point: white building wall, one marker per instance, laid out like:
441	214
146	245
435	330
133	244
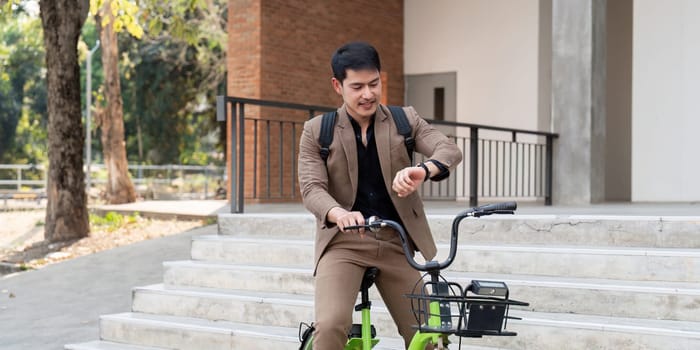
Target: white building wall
665	108
493	47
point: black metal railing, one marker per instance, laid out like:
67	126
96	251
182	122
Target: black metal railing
280	180
506	164
498	162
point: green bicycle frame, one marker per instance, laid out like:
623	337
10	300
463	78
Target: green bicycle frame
367	330
366	342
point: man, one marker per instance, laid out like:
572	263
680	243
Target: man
367	172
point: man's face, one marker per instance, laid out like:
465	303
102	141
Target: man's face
361	91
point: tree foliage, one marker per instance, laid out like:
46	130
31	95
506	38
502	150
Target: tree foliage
176	69
123	14
22	89
169	79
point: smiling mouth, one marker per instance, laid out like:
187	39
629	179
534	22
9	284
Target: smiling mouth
366	104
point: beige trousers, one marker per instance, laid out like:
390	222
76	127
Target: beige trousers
338	278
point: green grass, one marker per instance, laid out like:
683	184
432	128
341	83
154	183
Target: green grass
111	221
210	220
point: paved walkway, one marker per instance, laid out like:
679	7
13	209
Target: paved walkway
61	303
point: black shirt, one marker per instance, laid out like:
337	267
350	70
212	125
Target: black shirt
372	195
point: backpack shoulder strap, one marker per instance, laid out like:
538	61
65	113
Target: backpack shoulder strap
326	137
404	128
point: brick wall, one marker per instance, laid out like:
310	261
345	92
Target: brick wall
244	48
280	50
299	37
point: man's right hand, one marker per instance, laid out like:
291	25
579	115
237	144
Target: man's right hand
344	218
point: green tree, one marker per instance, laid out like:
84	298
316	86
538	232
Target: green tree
176	71
169	80
9	114
22	85
111	16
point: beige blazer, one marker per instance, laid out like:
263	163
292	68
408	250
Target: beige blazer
324	186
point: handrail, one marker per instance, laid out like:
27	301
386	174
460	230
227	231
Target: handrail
496	168
165	174
265	103
494	128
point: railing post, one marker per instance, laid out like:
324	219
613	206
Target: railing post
241	157
206	182
46	178
548	170
234	160
181	175
19	179
473	166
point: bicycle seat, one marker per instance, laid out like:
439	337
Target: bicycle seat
369	277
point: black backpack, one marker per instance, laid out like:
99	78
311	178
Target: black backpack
404	128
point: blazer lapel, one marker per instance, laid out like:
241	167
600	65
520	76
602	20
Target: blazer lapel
382	133
347	139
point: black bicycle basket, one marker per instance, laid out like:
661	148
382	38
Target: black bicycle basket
445	307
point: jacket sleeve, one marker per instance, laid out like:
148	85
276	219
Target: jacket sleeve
313	174
432	143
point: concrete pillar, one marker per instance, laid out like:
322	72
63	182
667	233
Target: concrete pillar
578	100
618	112
544	67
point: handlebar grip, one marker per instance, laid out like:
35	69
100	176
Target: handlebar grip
505	206
372	223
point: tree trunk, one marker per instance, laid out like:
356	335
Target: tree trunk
119	186
66	211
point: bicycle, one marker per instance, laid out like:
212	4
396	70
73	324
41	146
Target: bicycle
441	308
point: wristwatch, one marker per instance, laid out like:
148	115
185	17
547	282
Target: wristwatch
427	171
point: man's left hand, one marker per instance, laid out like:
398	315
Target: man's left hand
407	180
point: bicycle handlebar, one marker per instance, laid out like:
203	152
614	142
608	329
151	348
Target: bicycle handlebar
496	208
374	224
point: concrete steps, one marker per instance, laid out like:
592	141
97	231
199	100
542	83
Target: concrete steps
546	331
168	332
285	310
191	333
619	231
643	299
107	345
592	282
625	263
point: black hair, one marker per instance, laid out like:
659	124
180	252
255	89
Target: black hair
355	55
